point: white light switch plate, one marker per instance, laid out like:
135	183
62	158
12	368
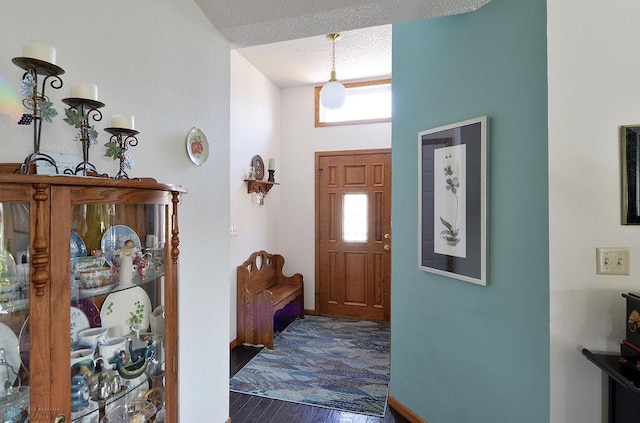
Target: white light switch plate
612	260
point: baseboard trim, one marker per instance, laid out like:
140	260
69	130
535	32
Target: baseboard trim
404	411
232	345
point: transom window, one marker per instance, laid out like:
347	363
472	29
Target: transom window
367	102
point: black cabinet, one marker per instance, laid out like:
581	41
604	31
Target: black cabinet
624	387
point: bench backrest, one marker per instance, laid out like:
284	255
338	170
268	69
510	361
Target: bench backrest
259	272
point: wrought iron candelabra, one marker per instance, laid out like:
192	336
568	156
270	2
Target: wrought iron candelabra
123	138
88	109
35	103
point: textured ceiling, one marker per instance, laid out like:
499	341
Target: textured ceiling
360	54
285	39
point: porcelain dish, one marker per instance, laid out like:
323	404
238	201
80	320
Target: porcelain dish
122	309
197	146
113	240
77	246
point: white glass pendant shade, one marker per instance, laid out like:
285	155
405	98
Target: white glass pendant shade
333	95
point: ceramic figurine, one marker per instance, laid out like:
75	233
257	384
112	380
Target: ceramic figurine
135	369
126	263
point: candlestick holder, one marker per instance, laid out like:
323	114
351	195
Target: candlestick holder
121	140
39	104
86	110
271	177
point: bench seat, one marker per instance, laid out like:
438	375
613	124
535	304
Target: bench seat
262	291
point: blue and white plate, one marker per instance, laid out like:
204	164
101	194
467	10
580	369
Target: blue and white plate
113	240
78	249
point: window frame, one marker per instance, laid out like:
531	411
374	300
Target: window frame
348	85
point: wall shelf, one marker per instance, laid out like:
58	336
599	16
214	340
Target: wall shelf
258	186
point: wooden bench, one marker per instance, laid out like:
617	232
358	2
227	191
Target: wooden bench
262	291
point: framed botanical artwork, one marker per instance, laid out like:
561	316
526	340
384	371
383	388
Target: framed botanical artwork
630	160
452	200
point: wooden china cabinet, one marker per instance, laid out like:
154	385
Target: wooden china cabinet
51	226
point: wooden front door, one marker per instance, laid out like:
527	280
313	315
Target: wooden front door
353	234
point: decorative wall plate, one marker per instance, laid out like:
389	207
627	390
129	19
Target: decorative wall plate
197	146
258	166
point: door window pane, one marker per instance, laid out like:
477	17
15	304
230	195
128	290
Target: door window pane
354	218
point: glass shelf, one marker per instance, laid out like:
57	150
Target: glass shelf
151	277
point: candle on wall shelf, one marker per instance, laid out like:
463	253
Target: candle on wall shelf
40	51
123	121
84	90
272	170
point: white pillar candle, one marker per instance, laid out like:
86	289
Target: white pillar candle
151	241
122	121
84	90
272	164
39	50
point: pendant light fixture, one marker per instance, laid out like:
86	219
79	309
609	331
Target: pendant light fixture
333	94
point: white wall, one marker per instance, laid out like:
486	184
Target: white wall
255	129
163	62
593	89
299	142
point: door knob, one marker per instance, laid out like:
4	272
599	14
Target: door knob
387	247
60	418
387	236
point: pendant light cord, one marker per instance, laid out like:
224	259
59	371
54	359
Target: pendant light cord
333	54
333	37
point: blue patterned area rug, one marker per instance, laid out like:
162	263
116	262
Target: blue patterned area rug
325	362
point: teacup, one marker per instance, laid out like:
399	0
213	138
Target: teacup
89	338
108	348
84	356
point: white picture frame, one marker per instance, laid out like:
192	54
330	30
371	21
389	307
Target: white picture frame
452	200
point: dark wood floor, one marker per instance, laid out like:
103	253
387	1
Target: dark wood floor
247	408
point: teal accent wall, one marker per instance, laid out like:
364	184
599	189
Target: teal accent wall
463	352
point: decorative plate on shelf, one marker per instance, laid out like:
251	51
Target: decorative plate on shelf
197	146
258	166
79	321
77	247
113	240
24	344
91	311
9	342
122	309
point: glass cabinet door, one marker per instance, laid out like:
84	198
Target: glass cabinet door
14	312
116	276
